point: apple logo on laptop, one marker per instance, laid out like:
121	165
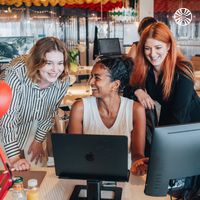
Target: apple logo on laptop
89	156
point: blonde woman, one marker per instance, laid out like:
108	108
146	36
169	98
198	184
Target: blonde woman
39	81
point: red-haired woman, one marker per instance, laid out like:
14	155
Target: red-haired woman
164	75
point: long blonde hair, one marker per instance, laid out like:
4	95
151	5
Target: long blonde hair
174	59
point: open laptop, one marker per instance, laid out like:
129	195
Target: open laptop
109	47
97	157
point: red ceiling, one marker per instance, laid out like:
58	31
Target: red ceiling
96	6
173	5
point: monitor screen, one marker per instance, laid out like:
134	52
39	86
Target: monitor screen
109	47
174	154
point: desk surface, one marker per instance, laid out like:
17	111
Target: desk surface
60	189
78	90
82	70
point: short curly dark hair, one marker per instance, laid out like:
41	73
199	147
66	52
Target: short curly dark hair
118	68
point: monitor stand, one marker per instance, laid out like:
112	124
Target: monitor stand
94	189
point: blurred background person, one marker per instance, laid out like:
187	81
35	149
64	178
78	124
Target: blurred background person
146	21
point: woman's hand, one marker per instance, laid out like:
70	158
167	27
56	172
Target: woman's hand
139	167
19	164
37	151
144	99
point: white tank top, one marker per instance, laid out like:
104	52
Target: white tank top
93	124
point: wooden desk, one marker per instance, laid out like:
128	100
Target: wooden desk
82	70
82	73
78	90
53	188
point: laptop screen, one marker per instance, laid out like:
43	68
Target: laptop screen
97	157
109	46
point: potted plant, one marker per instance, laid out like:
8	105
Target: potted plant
73	57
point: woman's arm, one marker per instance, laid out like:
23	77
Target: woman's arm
138	135
75	125
9	123
44	125
144	99
132	51
139	131
178	108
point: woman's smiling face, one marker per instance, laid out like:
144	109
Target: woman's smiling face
52	69
100	81
155	52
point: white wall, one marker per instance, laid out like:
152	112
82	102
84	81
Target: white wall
146	8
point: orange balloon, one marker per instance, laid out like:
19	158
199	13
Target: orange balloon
5	97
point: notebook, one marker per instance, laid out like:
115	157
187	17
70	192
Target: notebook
96	157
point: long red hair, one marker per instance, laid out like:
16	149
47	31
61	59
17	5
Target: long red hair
174	59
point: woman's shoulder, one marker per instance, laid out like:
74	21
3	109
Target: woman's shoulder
63	84
138	110
78	105
186	64
89	99
185	70
135	43
15	73
18	59
17	65
90	103
181	77
126	99
138	106
132	50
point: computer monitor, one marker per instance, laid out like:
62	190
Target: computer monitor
174	154
92	158
109	47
